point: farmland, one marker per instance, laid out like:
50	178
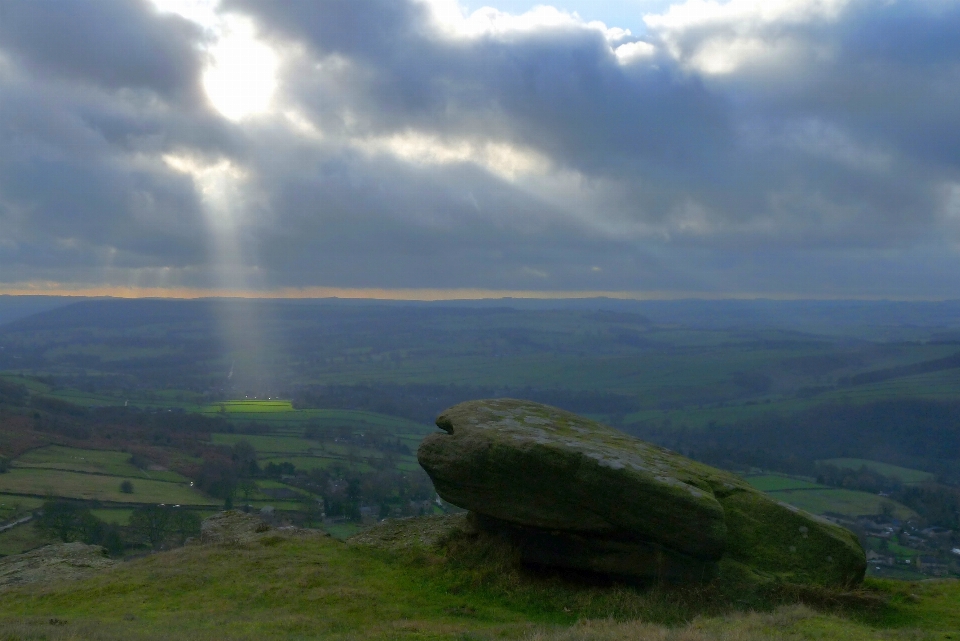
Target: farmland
95	487
111	463
905	475
821	499
324	417
350	441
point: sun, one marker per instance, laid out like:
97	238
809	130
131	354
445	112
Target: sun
241	78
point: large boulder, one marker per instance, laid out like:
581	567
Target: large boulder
53	563
575	493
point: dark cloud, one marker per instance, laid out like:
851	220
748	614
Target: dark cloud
810	151
794	151
113	43
92	95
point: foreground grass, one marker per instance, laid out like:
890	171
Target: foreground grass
310	588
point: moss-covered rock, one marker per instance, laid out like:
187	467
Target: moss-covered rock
541	467
576	493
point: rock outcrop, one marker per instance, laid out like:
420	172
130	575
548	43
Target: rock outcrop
52	563
571	492
233	527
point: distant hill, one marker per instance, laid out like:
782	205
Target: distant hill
16	307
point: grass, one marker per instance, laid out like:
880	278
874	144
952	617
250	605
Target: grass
307	454
838	501
16	506
249	407
93	461
820	499
308	588
76	485
269	444
318	462
20	539
778	482
117	517
905	474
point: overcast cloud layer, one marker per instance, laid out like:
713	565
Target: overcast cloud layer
806	147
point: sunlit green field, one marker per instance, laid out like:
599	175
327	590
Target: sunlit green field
249	407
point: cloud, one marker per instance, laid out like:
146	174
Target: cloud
739	146
112	43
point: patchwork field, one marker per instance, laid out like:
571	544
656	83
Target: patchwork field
837	501
79	485
820	499
57	457
21	539
314	439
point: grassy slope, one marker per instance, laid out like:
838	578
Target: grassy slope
306	588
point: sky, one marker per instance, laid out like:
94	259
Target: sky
444	149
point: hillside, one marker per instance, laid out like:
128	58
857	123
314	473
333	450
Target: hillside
289	586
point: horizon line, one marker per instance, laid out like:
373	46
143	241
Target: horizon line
421	294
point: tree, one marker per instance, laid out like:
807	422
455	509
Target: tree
184	524
151	525
126	487
312	509
62	520
246	458
247	488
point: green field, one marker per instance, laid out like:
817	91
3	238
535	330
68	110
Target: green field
103	462
21	539
269	444
287	443
12	507
117	517
78	485
777	482
307	454
821	499
838	501
905	474
249	407
319	463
